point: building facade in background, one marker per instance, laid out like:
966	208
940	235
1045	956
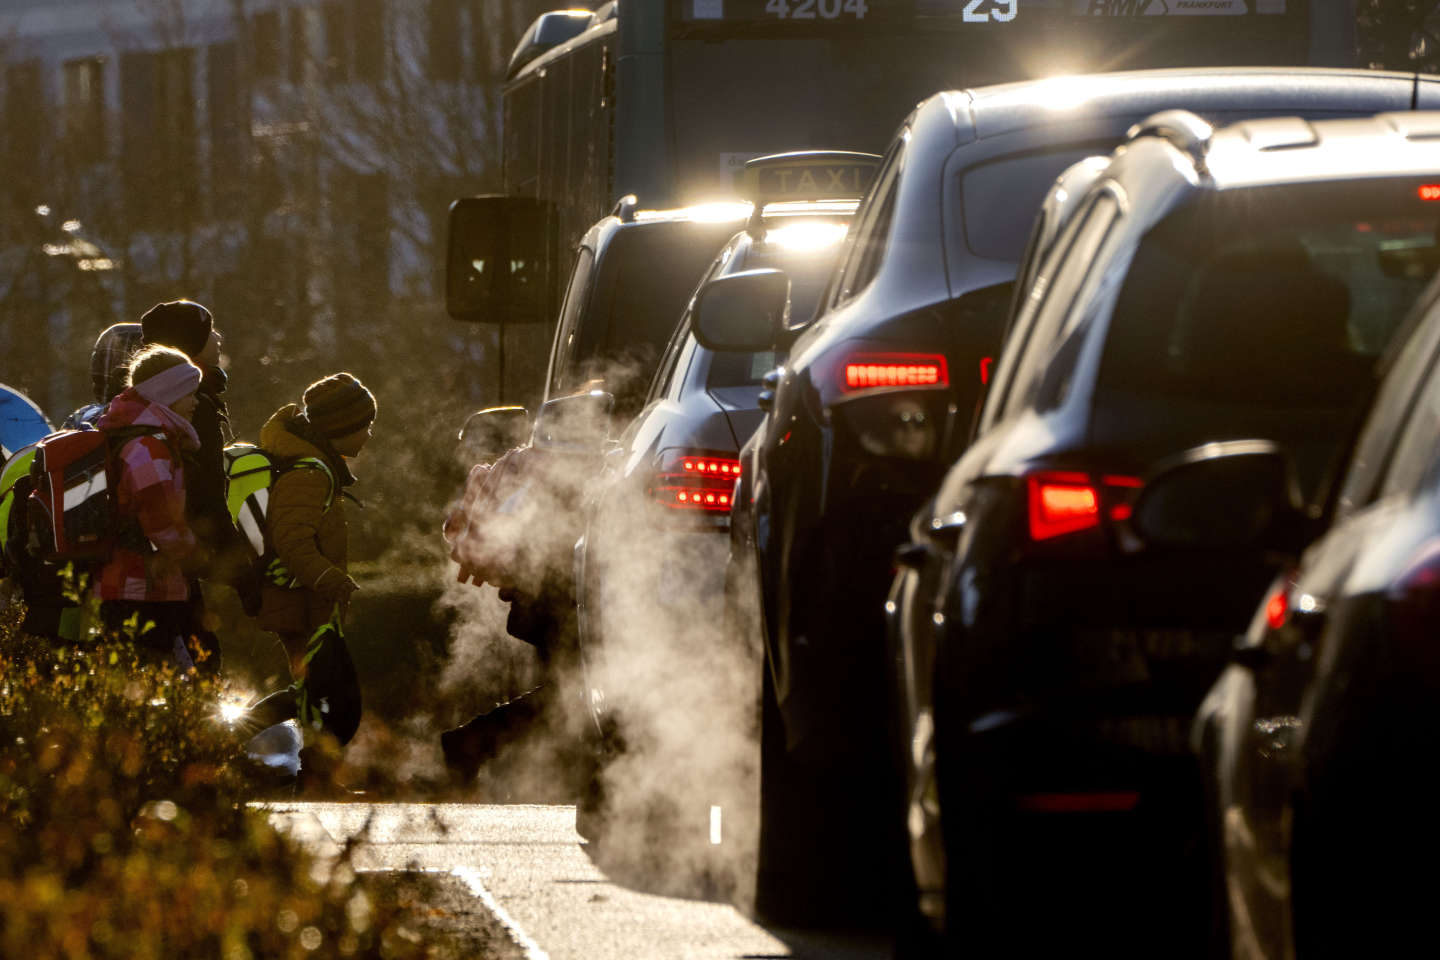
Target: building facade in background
288	162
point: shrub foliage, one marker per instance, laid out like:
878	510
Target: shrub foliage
124	830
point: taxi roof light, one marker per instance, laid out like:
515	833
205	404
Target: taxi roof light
809	175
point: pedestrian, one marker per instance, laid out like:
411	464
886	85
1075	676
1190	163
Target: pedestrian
109	368
144	586
50	590
189	327
307	594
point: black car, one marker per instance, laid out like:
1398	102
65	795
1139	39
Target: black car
879	395
1317	741
1066	594
634	272
661	676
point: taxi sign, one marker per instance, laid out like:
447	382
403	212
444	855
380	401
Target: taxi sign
809	175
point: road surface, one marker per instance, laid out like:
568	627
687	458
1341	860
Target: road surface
529	868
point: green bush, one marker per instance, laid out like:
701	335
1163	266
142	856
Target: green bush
124	830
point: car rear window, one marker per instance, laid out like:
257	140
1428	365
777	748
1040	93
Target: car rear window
1262	311
651	271
998	199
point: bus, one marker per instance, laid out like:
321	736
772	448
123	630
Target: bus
667	99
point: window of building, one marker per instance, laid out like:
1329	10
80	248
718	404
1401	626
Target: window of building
157	96
444	40
354	41
24	141
229	130
84	82
298	43
335	17
266	48
368	37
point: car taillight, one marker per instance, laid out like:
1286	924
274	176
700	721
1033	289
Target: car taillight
1277	607
695	482
868	371
1062	502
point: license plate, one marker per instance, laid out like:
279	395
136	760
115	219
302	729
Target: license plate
1130	656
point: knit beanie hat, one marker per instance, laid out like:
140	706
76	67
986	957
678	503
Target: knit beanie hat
182	324
339	405
110	359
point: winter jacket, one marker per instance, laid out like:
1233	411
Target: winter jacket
212	424
150	495
309	539
208	513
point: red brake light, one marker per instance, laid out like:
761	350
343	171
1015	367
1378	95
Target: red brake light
696	481
868	371
985	363
1277	607
1429	191
1062	503
710	466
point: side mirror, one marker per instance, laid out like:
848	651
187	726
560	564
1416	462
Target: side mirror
488	433
496	257
580	423
745	312
1233	494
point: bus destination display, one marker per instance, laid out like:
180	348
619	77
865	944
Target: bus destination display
960	11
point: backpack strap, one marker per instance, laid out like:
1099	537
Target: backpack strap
275	572
314	463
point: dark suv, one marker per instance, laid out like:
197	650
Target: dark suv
879	395
1317	741
1071	592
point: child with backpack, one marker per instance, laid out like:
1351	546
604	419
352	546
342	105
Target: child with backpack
308	588
143	585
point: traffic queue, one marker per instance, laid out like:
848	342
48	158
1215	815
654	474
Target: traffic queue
1088	539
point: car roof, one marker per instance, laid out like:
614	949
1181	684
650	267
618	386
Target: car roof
1003	108
1293	150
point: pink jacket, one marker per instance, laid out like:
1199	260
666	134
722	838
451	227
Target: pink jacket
151	490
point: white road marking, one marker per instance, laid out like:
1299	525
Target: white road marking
472	879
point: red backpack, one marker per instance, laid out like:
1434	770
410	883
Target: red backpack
73	505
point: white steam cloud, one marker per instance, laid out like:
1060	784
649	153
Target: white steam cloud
680	692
